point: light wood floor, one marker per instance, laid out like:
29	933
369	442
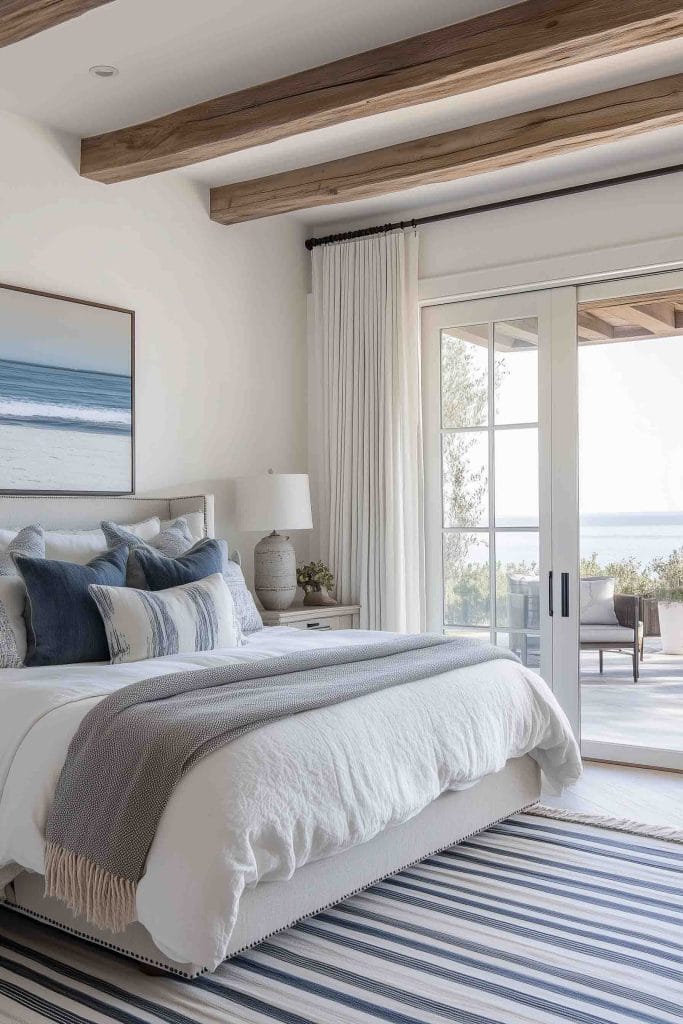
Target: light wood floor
641	794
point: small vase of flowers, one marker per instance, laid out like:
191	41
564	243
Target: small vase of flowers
316	581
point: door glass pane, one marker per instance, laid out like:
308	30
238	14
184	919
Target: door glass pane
464	472
466	584
517	580
515	344
527	646
464	376
631	520
482	436
516	454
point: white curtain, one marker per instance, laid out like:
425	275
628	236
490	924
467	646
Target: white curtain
368	431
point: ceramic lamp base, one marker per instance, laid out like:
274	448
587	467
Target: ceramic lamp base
275	572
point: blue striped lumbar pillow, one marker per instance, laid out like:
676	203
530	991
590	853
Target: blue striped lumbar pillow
143	624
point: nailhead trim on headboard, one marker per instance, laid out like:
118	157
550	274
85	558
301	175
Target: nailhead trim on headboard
103	507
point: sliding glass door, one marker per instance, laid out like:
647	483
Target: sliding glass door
487	462
630	498
554	498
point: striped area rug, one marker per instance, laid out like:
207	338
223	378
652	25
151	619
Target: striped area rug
534	920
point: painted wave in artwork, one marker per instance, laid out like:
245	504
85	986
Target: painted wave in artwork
51	396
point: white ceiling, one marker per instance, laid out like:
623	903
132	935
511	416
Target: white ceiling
172	53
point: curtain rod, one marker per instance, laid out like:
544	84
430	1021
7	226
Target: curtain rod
503	204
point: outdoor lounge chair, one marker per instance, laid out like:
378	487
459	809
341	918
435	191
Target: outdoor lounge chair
625	635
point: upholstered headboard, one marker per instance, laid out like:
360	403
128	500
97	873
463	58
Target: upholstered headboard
75	511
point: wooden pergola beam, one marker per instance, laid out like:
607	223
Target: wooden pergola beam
504	45
551	131
592	328
654	316
20	19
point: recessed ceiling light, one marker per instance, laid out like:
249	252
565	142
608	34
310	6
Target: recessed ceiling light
103	71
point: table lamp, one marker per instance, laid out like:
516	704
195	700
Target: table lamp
274	501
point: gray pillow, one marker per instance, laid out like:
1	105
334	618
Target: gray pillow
29	541
247	612
12	622
174	541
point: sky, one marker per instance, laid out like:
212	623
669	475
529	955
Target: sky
631	426
54	332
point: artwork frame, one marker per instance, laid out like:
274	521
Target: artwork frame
127	344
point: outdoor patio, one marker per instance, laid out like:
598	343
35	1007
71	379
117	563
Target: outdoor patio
647	713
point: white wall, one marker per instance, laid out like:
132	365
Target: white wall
220	312
591	234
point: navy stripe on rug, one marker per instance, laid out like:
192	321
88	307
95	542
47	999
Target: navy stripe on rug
533	922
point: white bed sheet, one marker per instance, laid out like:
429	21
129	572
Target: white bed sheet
291	792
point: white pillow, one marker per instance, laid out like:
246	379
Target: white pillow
12	624
597	601
144	624
195	524
81	546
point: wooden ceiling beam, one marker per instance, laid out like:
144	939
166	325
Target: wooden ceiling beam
20	19
551	131
504	45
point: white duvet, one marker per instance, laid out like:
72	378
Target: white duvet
291	792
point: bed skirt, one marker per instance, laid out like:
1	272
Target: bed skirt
272	906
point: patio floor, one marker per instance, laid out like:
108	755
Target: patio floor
648	713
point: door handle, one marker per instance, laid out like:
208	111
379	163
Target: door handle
550	592
564	590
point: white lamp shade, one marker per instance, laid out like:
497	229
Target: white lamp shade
274	501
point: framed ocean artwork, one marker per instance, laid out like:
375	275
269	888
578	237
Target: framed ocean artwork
67	372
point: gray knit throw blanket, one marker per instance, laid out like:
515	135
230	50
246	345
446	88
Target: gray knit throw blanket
132	749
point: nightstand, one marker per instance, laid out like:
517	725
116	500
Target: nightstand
337	616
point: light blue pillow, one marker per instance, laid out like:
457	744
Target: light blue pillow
246	609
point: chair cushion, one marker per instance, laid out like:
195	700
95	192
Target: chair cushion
606	634
597	601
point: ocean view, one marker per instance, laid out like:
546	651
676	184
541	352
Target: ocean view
64	429
49	396
644	536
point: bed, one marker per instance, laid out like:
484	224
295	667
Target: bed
290	818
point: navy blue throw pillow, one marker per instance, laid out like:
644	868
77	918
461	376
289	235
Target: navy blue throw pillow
63	625
162	572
